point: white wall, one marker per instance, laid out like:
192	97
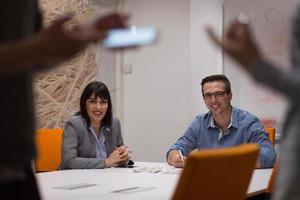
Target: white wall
162	94
205	59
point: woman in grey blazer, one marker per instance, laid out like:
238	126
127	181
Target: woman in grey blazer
92	138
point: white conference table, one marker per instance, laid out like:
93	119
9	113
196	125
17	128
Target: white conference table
105	183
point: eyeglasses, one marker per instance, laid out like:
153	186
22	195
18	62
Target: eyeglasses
217	95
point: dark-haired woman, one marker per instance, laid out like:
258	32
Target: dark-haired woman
92	138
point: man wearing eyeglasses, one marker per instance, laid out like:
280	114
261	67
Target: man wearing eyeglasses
223	126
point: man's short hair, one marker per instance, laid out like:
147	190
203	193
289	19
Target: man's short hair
217	77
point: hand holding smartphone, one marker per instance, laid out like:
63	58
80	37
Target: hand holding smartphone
130	37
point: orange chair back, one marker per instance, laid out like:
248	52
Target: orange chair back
273	178
217	174
271	133
48	143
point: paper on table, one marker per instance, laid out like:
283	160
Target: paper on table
131	190
74	186
172	170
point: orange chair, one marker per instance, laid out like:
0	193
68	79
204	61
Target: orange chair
217	174
272	179
48	143
271	133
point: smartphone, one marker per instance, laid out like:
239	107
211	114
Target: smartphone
130	37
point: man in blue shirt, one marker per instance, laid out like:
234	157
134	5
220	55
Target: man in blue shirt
223	126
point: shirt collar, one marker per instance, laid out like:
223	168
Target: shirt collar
86	124
233	123
102	129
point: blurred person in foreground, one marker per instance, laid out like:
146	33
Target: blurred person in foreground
25	48
239	44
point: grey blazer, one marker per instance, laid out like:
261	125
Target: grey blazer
79	144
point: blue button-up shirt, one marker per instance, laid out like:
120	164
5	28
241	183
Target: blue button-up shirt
244	128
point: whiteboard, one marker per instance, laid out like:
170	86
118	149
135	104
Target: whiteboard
270	21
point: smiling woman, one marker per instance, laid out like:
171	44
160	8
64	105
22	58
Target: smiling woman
92	138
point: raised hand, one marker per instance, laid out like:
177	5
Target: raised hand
237	43
55	44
